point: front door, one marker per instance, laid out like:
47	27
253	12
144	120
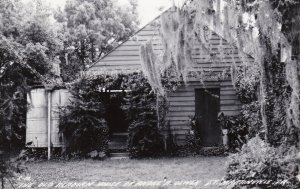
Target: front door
207	106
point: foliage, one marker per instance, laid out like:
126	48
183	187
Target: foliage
251	116
193	140
237	130
256	28
89	109
84	129
247	83
29	43
176	56
9	170
150	68
259	161
13	87
91	29
169	79
82	121
145	137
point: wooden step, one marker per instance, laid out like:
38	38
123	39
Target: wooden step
124	140
118	141
117	145
119	155
120	134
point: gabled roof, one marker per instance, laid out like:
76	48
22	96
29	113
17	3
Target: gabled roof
126	56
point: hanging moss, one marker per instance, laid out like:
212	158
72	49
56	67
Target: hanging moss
255	29
150	67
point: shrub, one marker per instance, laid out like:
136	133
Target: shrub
247	83
84	129
82	121
193	140
252	117
259	161
9	170
237	130
145	138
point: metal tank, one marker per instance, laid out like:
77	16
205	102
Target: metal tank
43	116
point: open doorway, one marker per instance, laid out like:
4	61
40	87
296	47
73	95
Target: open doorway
116	121
114	115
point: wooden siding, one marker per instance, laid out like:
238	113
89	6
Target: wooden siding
182	105
126	58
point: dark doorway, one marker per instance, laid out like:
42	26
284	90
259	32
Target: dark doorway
207	106
114	115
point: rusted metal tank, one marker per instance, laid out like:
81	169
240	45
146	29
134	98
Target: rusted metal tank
38	117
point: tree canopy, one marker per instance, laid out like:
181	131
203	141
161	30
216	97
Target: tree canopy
40	45
92	28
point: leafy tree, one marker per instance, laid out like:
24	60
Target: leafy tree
279	78
263	29
29	44
92	28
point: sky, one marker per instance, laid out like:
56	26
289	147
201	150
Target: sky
147	9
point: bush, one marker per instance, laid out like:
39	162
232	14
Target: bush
259	161
247	83
82	121
193	140
84	130
237	130
252	117
9	170
145	138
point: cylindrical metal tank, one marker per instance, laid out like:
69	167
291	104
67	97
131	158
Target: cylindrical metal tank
37	116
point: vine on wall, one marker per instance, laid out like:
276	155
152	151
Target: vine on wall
84	120
257	28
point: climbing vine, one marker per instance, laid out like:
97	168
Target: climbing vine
258	29
267	80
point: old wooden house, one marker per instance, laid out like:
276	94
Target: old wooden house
201	99
204	100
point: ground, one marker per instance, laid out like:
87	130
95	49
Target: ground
203	169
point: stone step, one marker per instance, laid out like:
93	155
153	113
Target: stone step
119	155
115	146
118	142
118	158
120	137
123	140
120	134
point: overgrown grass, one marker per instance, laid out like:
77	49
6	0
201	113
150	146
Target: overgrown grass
174	169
